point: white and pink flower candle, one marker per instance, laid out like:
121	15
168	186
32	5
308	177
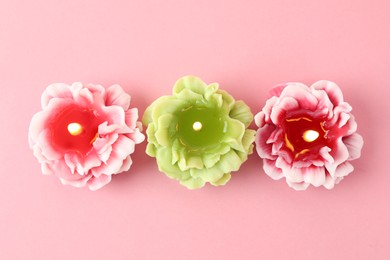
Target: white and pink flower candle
307	135
85	133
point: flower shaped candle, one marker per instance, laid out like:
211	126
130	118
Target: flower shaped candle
84	133
199	134
307	135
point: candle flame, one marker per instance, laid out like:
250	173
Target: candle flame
75	129
197	126
310	136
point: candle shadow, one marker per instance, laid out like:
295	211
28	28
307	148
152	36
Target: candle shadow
367	118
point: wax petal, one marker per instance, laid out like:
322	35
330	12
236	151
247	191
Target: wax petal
341	108
191	83
271	170
75	89
354	145
113	165
343	119
99	92
150	133
117	97
351	126
260	119
104	142
114	115
229	102
263	149
340	154
277	90
325	154
297	185
190	96
343	169
163	105
219	149
244	155
76	183
207	174
175	155
302	94
210	160
305	163
294	174
248	139
82	164
105	155
331	88
193	183
217	100
61	170
324	106
236	131
37	125
279	110
281	163
230	162
275	135
46	168
105	129
151	150
276	148
266	112
57	90
241	112
91	162
126	164
314	175
163	158
131	118
194	162
163	133
329	181
188	162
223	180
38	154
56	106
96	183
182	163
137	136
74	165
123	146
83	97
210	90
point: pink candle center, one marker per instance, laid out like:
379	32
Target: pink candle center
75	129
305	136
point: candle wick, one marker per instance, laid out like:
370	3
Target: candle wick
310	136
75	129
197	126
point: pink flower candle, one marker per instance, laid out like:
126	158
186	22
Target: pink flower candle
307	135
85	134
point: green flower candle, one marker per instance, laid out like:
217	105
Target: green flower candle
199	134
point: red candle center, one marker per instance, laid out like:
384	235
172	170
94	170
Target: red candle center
304	135
75	129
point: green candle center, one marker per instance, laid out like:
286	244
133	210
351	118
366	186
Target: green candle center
200	127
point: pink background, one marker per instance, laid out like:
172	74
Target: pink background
246	46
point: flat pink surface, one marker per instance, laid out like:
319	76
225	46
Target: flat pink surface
246	46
